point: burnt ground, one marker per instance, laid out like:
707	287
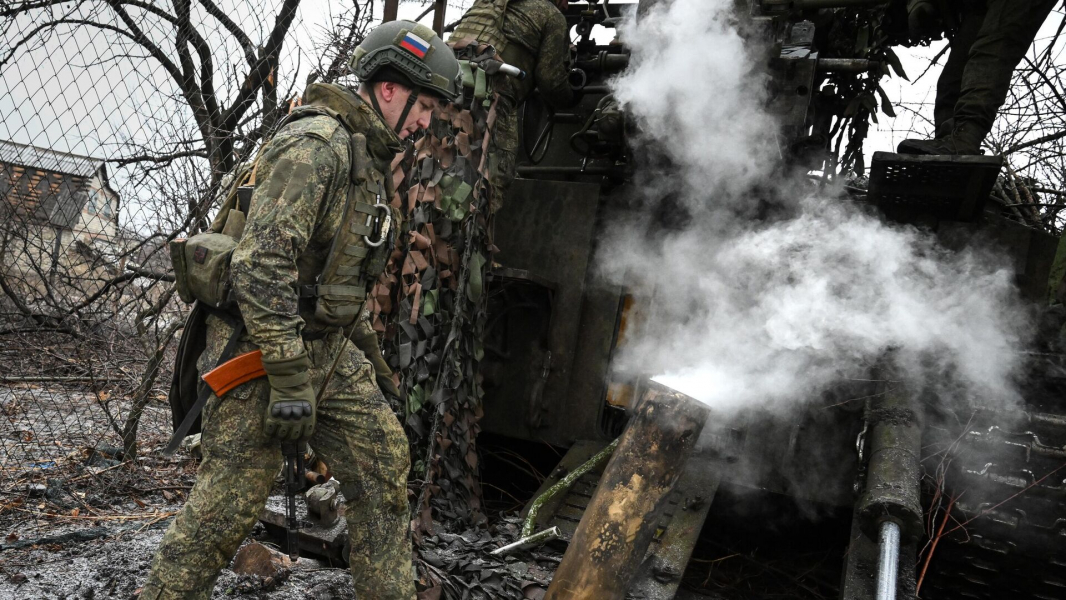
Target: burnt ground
78	521
116	567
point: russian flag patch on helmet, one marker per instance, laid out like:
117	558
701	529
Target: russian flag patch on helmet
415	45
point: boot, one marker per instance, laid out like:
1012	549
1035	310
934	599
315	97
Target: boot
964	139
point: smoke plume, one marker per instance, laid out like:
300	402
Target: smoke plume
748	312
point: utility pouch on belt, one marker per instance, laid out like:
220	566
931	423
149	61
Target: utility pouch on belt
204	258
201	263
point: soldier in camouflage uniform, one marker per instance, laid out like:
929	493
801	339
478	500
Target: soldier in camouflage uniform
991	40
333	158
533	36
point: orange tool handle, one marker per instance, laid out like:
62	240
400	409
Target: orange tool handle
234	372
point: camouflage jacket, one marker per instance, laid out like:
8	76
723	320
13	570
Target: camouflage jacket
539	44
302	181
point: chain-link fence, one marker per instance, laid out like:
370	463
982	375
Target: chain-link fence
120	119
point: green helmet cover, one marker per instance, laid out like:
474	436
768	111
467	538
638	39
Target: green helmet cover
416	51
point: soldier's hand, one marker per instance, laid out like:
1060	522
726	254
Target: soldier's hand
290	412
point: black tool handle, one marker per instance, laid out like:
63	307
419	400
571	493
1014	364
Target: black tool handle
293	471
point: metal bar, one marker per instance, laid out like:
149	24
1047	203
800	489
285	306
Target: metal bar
529	541
391	7
888	563
847	65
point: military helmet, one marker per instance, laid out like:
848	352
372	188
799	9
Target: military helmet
413	50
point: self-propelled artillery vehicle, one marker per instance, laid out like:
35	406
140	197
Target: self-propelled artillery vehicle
861	477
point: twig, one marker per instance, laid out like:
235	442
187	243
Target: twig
936	540
94	474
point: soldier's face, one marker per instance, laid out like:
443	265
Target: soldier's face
393	98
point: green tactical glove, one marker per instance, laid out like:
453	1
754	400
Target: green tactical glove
366	339
290	414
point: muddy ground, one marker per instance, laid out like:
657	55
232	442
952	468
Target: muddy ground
79	520
117	567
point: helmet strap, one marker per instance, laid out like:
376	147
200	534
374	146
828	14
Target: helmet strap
415	91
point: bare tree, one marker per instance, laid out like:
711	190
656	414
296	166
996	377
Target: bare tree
185	43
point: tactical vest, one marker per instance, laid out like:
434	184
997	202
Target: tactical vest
360	248
358	252
484	22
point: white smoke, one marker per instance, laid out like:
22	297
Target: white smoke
763	313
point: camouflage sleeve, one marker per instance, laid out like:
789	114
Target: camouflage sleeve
293	178
553	62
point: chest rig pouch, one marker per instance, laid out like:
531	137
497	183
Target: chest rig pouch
361	246
358	252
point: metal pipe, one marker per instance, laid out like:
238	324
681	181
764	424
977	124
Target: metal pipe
888	563
847	65
894	470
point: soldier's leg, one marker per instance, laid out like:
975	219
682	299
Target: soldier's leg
949	85
1007	31
232	486
360	439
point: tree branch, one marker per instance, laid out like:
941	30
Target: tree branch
242	39
264	66
1035	142
129	160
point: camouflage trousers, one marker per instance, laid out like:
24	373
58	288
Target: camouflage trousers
502	150
992	38
356	434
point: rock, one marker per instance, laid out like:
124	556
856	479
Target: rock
256	559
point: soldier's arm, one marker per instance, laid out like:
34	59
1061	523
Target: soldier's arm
553	62
293	178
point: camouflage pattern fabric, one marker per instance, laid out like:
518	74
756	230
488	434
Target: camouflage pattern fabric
288	241
357	435
539	45
430	306
992	39
291	223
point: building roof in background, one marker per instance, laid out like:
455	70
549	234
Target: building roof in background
48	160
47	184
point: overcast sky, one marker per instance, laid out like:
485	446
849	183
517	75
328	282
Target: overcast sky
70	93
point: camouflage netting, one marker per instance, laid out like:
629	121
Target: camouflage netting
430	305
